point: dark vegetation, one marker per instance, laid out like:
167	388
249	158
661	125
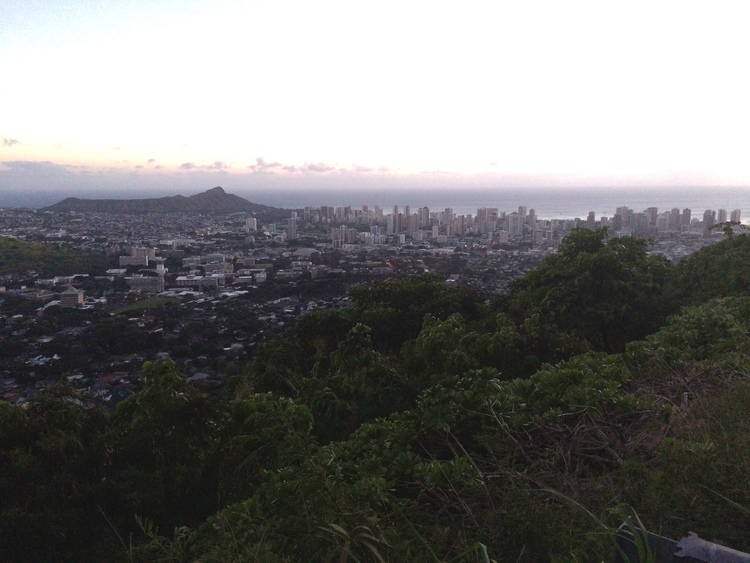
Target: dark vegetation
48	259
421	423
215	200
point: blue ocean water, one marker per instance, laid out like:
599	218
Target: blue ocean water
548	203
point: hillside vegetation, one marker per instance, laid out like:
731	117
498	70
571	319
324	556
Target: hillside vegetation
215	200
47	260
421	423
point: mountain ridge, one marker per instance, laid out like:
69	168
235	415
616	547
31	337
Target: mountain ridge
214	200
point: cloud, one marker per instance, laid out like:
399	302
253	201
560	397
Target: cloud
158	167
139	166
317	167
262	166
363	169
10	142
34	168
151	160
218	165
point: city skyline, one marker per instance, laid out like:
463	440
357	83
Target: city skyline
177	96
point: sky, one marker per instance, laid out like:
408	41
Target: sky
112	98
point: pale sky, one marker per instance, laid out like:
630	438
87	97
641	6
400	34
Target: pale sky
558	92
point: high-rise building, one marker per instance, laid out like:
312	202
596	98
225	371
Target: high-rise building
639	223
460	225
617	222
709	218
624	212
486	219
591	220
674	220
721	216
514	225
485	214
662	222
735	216
339	234
412	223
686	216
424	217
292	230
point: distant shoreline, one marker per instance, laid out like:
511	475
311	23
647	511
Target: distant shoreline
548	203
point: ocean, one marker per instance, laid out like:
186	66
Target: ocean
548	203
558	203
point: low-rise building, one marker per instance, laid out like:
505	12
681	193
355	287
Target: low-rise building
146	284
71	297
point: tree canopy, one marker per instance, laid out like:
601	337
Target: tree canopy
606	292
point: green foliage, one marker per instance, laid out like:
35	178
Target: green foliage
450	347
18	257
701	348
263	433
407	301
720	270
607	294
581	241
146	304
119	336
355	385
161	439
695	479
50	471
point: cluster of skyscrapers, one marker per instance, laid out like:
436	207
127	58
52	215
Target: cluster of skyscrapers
650	221
373	225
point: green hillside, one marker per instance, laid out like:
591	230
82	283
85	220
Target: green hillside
19	257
